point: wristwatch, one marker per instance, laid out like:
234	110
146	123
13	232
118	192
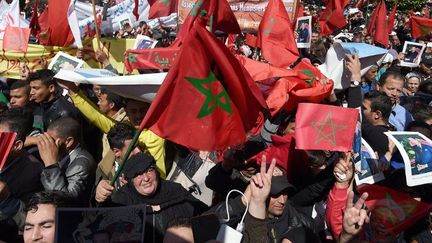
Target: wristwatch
355	83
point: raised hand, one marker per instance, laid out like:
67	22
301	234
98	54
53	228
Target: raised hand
344	171
48	149
354	216
354	66
260	186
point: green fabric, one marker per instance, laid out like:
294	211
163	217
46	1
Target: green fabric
3	99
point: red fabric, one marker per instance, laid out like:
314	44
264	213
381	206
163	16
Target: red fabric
251	40
380	33
201	111
16	39
155	58
420	26
55	30
392	210
7	140
223	18
391	19
372	20
294	86
325	127
231	43
135	10
276	37
263	71
34	21
332	17
279	150
336	203
161	8
299	11
360	4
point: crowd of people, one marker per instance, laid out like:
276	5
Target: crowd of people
71	139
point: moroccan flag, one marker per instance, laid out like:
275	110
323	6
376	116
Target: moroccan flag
208	101
276	37
392	211
251	40
279	150
380	32
332	17
155	58
391	19
325	127
218	14
16	38
161	8
420	26
34	21
55	30
7	140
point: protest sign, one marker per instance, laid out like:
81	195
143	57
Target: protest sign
248	13
416	151
367	168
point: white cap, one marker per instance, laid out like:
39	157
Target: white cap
392	33
388	58
417	13
429	44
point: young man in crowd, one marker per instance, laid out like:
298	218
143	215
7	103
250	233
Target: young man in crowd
19	94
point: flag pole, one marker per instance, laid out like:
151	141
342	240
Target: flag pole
95	21
126	156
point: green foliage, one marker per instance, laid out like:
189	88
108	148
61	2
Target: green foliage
404	5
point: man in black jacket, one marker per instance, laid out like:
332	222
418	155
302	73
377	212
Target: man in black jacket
50	104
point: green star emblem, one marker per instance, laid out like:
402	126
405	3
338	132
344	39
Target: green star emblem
334	128
269	28
329	14
393	211
310	74
165	1
425	30
132	58
196	7
212	101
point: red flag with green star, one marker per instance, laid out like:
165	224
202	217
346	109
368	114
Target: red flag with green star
208	101
392	211
161	8
276	37
420	26
325	127
332	17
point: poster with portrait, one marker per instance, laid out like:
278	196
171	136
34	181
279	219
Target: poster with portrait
413	52
124	22
303	32
62	58
116	224
416	151
144	42
367	167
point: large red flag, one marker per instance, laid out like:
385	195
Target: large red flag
162	8
251	40
392	211
34	21
55	30
391	19
380	33
16	39
155	58
208	101
7	140
332	17
420	26
325	127
135	10
276	37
